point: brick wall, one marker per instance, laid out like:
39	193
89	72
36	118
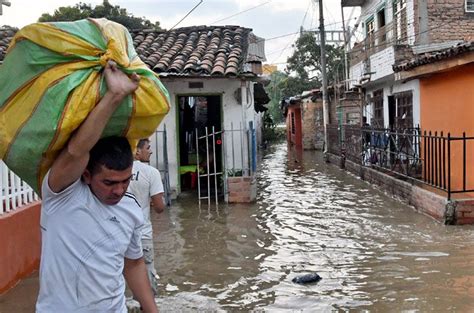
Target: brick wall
457	212
447	20
241	189
465	212
309	123
313	129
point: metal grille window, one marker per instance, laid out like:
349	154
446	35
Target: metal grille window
400	20
377	120
470	6
404	102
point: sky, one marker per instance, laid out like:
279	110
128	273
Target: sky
278	21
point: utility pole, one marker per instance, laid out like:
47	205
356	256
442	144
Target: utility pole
346	45
4	3
324	75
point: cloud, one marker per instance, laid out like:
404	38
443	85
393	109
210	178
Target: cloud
273	19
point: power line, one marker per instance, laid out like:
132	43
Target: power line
238	13
395	39
201	1
301	26
307	30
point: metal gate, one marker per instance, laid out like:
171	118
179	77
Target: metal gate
207	142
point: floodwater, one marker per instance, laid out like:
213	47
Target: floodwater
373	253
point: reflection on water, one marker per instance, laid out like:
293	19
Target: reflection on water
372	252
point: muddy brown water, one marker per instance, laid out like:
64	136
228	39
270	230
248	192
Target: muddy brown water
372	252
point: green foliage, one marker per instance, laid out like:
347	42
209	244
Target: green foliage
111	12
283	85
305	64
271	132
234	173
274	91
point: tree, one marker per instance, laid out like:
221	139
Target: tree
111	12
305	64
275	92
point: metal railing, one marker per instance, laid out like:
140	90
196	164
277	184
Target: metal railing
384	37
442	162
446	156
14	192
235	146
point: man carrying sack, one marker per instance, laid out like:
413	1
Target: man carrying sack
61	92
91	226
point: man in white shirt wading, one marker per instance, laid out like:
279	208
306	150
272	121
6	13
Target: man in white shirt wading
90	226
146	185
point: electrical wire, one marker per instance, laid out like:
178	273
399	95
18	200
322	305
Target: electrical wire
407	37
289	34
386	43
294	39
238	13
201	1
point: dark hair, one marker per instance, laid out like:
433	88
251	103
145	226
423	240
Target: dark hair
112	152
142	142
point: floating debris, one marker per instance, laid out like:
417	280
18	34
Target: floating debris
307	279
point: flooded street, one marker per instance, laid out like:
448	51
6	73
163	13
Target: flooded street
372	252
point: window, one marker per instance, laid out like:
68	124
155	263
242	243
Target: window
470	6
404	101
382	37
400	20
370	30
377	120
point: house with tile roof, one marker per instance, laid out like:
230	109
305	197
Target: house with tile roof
213	75
213	78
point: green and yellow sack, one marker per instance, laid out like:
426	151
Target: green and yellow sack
50	80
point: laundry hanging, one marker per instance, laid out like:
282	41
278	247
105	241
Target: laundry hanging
50	80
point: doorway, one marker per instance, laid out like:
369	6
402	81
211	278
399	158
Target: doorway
200	143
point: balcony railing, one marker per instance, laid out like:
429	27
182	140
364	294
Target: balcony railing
14	192
384	37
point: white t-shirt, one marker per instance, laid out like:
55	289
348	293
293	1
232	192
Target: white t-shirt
146	182
84	243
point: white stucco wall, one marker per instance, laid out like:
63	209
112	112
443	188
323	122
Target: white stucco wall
394	88
233	114
381	63
355	74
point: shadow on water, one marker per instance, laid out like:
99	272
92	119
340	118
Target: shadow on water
372	252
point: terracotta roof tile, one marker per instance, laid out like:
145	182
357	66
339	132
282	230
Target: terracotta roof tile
6	35
434	56
203	50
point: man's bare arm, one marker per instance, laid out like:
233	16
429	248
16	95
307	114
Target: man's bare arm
157	202
72	160
137	280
